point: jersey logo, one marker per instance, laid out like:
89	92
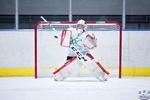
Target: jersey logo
75	42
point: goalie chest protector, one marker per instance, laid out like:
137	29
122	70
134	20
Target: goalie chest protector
89	40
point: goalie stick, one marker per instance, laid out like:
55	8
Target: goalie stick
48	23
50	26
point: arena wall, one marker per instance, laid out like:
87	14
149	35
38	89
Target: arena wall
17	53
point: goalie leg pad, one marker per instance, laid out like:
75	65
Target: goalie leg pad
61	75
105	71
63	72
98	63
97	72
65	65
100	75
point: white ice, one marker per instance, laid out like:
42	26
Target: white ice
28	88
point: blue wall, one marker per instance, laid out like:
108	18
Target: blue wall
80	7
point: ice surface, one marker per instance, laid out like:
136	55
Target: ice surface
28	88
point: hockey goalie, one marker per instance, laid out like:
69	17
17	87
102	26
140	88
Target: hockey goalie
79	42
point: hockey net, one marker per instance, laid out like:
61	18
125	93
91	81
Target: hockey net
49	55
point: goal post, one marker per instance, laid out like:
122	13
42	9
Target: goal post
49	55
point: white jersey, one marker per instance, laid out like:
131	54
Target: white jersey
77	40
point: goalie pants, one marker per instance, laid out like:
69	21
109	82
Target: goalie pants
69	57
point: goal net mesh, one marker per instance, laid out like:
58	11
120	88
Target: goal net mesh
49	55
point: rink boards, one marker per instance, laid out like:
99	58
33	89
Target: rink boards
18	53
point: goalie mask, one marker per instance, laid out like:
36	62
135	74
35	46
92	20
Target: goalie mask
81	26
